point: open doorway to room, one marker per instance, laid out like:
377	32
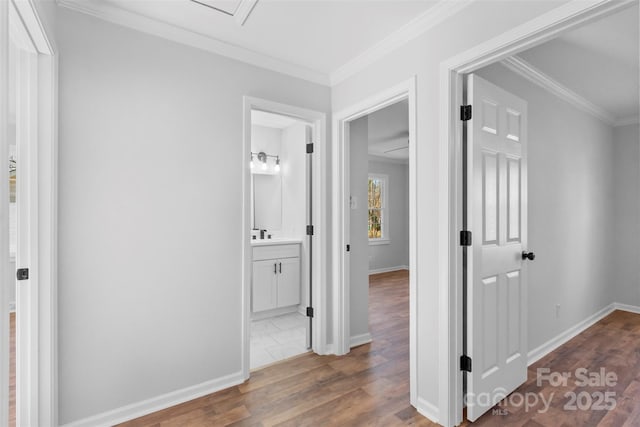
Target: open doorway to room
30	255
283	243
280	206
379	224
374	217
552	166
23	88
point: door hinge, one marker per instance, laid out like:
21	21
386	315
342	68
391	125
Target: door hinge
309	230
465	112
465	238
348	248
465	363
309	311
22	274
310	148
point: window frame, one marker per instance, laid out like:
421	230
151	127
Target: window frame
384	209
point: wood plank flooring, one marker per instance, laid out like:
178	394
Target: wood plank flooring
370	386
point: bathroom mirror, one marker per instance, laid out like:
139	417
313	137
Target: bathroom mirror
267	202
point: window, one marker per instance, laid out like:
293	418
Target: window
378	218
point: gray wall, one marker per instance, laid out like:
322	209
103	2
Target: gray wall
396	253
359	241
571	209
626	148
150	212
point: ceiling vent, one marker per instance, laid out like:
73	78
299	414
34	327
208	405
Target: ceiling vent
238	9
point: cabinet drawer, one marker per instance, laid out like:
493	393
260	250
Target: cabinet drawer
276	251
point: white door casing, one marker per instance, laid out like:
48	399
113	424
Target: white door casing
497	213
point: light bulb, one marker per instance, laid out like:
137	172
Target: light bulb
264	166
251	165
277	166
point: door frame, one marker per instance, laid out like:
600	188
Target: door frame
318	121
39	402
341	211
452	71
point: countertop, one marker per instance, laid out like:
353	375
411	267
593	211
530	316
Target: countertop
276	241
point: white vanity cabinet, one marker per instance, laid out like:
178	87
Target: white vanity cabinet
275	276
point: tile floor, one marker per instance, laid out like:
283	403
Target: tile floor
278	338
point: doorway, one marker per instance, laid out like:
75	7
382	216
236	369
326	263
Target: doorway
281	197
379	218
354	222
511	74
283	243
30	220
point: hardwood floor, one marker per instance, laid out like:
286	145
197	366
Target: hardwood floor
370	386
612	344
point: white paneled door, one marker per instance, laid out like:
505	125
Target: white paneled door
496	266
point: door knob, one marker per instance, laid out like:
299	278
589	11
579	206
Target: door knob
528	255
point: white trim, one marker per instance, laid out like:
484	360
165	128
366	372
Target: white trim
433	16
428	410
626	307
539	352
4	216
167	400
378	242
340	218
361	339
318	263
527	35
560	339
626	121
103	10
40	345
388	269
554	87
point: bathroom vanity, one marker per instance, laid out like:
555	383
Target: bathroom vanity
276	277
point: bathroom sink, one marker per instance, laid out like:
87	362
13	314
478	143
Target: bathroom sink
275	241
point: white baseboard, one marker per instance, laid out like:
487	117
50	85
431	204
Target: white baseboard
428	410
360	339
388	269
627	307
135	410
555	342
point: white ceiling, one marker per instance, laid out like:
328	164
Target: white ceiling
599	62
389	132
319	35
312	39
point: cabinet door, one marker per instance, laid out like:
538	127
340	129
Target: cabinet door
288	282
264	285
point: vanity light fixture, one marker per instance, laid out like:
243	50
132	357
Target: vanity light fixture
263	159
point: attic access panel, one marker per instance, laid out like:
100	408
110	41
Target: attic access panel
238	9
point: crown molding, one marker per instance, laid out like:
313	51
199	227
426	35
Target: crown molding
433	16
534	75
106	12
626	121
